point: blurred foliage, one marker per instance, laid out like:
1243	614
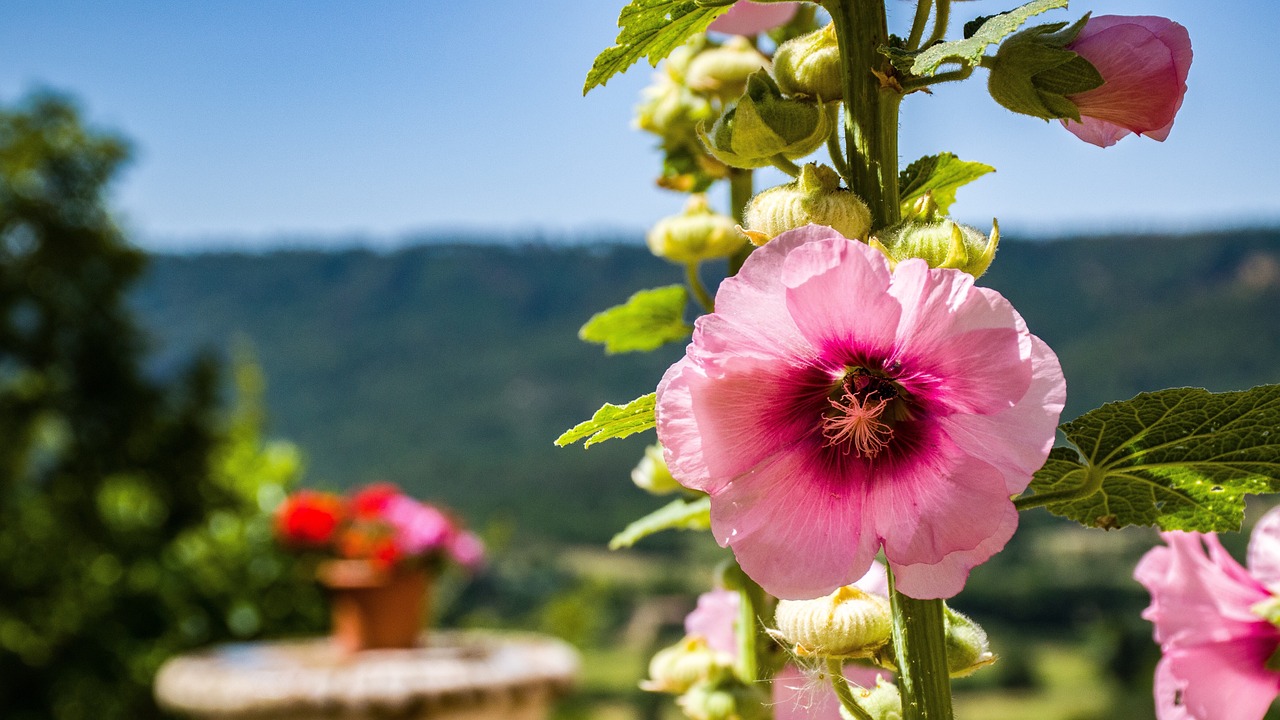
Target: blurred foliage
130	511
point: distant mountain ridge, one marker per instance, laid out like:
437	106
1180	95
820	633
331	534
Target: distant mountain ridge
451	368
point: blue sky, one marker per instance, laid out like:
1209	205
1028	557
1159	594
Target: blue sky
326	120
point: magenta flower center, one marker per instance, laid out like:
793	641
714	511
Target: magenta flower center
862	413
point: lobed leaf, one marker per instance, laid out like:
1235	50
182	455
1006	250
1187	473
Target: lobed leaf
1179	459
679	514
940	175
652	29
613	421
970	50
646	321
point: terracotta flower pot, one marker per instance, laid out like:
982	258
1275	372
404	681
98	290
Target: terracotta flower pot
375	608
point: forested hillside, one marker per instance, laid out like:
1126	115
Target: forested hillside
451	368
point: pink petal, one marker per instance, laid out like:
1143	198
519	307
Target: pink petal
876	581
796	696
715	619
1169	690
1197	597
1264	550
793	530
968	345
1220	681
1025	432
1144	62
751	18
825	279
939	521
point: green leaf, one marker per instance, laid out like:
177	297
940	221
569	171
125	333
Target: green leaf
941	175
649	28
676	515
970	49
648	319
1180	459
613	421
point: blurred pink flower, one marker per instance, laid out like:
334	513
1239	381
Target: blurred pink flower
417	528
1144	61
467	549
831	408
796	696
1205	607
751	18
715	619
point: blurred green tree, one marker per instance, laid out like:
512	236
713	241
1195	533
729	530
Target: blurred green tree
131	522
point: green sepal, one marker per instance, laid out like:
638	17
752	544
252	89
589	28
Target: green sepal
649	319
613	421
651	29
1033	72
969	51
678	514
1179	459
939	176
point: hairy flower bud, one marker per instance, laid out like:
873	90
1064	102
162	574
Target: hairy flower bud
724	701
652	475
848	623
723	71
944	244
764	124
679	667
967	646
814	198
698	233
883	702
1033	72
809	65
671	110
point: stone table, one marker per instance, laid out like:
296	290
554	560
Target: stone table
454	676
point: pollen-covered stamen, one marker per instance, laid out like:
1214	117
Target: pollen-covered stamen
855	422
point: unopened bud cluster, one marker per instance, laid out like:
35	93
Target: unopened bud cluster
941	244
764	124
848	623
699	233
814	198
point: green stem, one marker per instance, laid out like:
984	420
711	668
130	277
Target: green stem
1091	484
837	154
699	290
847	701
785	165
920	647
917	26
940	22
741	188
950	76
871	117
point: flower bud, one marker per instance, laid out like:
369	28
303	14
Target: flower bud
815	197
848	623
883	702
1033	72
809	66
724	701
652	475
699	233
763	124
723	71
967	646
944	244
671	110
679	667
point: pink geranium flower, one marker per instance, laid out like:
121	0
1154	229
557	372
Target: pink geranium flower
1207	609
832	408
751	18
417	528
1144	62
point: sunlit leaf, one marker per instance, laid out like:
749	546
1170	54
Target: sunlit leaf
613	421
646	321
652	29
676	515
940	175
971	49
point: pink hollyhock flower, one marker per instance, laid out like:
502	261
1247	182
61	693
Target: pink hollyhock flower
1144	61
1206	609
751	18
715	620
796	696
831	407
418	528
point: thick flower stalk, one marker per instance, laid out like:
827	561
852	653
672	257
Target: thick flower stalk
1144	62
1216	624
832	408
